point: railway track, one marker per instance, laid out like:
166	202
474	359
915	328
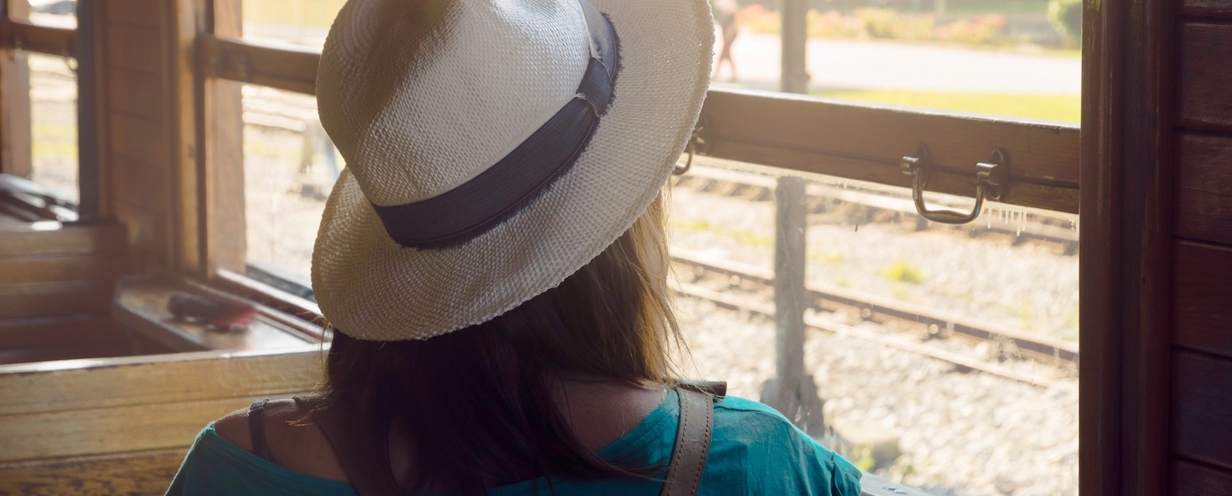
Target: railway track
871	204
1008	344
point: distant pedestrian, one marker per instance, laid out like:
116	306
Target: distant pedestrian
725	15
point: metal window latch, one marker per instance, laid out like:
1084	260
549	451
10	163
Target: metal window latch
696	145
991	181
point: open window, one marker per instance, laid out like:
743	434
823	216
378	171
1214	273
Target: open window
911	345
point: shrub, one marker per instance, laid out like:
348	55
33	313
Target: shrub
981	30
1066	17
888	24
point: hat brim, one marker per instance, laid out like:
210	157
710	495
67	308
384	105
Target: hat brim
371	288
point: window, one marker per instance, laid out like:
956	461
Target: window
53	124
943	358
1014	58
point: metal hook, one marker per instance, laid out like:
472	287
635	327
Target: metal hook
991	180
695	140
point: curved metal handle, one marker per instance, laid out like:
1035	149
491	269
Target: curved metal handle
991	178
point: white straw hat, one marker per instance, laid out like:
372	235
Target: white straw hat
493	148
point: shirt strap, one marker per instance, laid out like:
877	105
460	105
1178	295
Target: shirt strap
256	429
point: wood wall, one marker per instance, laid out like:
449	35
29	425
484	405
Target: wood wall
1201	388
135	94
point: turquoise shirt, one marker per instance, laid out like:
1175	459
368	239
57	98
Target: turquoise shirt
754	451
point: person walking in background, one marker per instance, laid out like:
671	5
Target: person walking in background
725	15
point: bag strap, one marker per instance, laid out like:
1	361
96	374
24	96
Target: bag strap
364	454
684	472
256	429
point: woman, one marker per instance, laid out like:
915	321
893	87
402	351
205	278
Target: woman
493	262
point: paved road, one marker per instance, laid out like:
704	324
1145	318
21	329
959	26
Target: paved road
880	65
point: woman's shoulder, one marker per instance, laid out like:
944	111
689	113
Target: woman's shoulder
753	445
221	460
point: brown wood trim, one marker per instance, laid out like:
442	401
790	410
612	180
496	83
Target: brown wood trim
798	133
22	35
1204	101
241	285
1202	401
1202	296
1207	8
1126	241
1204	188
133	473
1195	479
225	222
185	22
15	140
278	66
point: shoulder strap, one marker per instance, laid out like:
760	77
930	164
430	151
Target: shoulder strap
256	429
684	472
363	453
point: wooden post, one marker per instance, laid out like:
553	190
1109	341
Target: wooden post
88	168
792	391
794	77
223	142
15	138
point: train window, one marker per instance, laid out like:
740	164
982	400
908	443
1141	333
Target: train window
289	169
1015	58
56	13
298	22
53	124
940	357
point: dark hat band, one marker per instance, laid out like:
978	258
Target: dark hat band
484	202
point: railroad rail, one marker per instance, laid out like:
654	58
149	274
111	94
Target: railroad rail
932	324
874	203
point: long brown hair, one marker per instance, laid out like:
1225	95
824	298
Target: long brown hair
478	402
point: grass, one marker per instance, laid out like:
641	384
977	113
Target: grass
904	272
1062	108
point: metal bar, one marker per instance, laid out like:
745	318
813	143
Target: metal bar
792	390
89	177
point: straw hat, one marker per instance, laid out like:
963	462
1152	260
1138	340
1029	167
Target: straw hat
493	148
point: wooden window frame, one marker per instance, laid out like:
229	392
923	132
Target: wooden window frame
18	36
788	132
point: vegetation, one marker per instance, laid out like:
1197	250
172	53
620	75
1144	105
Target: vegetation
1066	17
883	23
1061	108
904	272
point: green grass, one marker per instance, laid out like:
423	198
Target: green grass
1062	108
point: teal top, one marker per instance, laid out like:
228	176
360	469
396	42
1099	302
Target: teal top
754	450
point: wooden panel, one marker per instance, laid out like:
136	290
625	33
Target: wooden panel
139	473
58	268
135	48
15	141
135	12
139	138
1202	296
1191	479
43	353
50	299
147	229
42	388
1204	76
30	333
283	67
110	430
1204	188
138	93
70	239
1202	408
140	184
1208	8
40	39
85	407
864	143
